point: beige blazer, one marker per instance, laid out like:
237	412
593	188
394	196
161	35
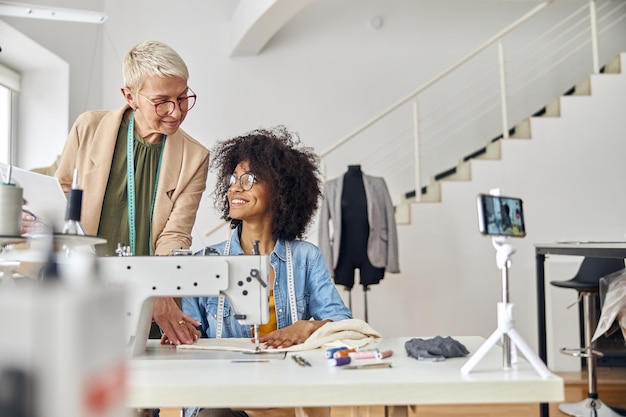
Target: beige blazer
182	181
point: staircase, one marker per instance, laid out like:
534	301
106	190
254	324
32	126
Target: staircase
432	193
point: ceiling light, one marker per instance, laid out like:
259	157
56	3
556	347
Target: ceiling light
50	13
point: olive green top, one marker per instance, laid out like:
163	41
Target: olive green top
114	219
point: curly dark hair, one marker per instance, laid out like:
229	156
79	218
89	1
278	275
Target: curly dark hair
279	158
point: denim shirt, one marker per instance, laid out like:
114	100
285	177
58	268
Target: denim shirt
316	294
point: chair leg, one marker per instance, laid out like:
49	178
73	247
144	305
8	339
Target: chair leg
588	408
589	304
592	406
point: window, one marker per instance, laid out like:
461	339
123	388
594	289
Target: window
5	124
9	86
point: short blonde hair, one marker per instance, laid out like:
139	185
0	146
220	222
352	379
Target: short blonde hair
152	58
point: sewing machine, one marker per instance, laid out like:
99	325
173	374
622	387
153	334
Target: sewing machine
243	280
62	352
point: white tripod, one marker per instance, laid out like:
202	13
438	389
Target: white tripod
506	330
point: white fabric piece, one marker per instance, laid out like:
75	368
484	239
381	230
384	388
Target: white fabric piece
613	291
351	333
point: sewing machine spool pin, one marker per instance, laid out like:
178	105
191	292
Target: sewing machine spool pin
255	274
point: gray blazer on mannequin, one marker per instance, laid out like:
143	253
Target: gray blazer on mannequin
382	244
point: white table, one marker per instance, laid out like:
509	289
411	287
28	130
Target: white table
164	379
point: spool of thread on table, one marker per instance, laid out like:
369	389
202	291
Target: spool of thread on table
73	208
345	360
331	351
11	198
343	353
384	355
371	354
72	214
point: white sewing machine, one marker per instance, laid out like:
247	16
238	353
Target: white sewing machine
62	352
243	280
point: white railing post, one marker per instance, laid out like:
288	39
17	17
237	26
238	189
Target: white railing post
503	106
594	36
416	151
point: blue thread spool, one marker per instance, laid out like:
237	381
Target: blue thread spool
330	352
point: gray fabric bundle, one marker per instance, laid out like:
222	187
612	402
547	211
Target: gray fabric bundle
436	349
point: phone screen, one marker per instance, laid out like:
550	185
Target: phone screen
500	216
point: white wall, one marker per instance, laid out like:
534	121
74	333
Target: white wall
326	72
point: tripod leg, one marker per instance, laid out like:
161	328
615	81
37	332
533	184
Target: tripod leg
481	352
530	356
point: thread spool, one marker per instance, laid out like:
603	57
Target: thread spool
11	198
345	360
363	355
73	211
343	353
74	204
74	208
331	351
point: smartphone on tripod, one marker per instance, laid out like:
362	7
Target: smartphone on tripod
500	216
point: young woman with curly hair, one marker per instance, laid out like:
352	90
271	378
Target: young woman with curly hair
268	188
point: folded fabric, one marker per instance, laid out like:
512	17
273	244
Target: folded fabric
350	333
435	349
613	294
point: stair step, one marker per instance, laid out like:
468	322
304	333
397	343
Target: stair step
522	130
445	174
554	109
491	151
431	193
583	88
463	172
512	132
613	67
402	212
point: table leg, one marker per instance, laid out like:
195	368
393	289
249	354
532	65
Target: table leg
541	306
541	319
396	411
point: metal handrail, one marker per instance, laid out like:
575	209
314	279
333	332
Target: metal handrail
443	74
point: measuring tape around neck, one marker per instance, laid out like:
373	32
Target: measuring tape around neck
130	184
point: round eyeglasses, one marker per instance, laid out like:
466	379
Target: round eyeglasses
246	180
165	108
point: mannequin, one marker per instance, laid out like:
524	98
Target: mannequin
358	209
353	251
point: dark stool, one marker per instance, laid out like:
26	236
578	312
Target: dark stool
587	283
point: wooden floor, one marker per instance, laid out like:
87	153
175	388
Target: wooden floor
611	390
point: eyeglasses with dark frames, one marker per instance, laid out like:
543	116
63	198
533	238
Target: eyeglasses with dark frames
165	108
246	180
